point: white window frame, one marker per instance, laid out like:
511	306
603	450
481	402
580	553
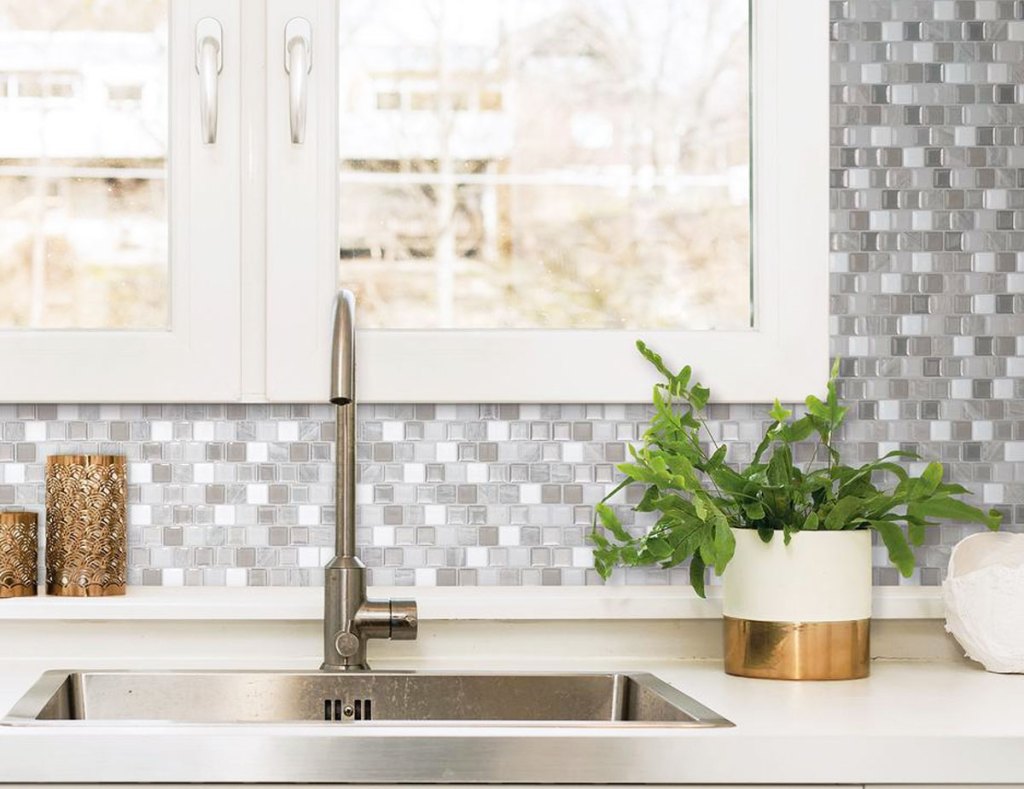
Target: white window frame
254	254
785	354
302	211
197	358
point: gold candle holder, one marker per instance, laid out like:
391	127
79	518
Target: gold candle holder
86	534
19	547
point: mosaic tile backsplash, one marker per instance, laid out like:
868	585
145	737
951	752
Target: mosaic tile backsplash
927	302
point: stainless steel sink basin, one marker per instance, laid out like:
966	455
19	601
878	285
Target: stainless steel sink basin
359	728
380	698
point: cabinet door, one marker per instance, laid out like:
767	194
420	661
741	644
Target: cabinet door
523	190
301	228
119	220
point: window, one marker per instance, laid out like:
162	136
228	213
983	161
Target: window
490	101
389	100
36	85
612	189
70	257
103	236
516	189
128	93
619	169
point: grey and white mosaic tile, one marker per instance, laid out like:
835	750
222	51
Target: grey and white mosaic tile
927	303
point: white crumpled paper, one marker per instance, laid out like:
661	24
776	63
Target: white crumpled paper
984	597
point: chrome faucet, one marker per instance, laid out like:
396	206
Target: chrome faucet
350	620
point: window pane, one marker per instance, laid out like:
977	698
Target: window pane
546	163
83	164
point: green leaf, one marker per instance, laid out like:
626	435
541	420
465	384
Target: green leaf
725	545
647	503
931	479
896	543
798	430
954	509
754	510
718	458
915	530
778	413
697	568
769	436
879	465
842	512
900	453
611	522
659	548
699	396
833	399
817	408
682	379
780	467
654	358
811	522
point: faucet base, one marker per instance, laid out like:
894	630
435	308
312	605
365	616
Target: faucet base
350	620
341	669
344	593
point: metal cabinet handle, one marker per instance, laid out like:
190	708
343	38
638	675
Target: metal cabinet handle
209	63
298	63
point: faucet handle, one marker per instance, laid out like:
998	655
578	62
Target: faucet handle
347	644
394	619
404	620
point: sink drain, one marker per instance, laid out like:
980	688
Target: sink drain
340	710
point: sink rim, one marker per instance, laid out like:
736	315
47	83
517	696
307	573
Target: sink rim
24	713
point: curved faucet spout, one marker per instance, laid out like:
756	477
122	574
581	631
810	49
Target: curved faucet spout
343	350
349	618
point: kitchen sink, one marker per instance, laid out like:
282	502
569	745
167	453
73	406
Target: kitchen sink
252	697
383	727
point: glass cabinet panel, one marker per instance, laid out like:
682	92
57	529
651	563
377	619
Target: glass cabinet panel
83	165
120	217
535	164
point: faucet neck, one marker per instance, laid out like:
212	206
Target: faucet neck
345	481
349	618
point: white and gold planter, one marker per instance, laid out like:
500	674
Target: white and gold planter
799	611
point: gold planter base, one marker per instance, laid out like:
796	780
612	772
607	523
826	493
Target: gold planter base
797	650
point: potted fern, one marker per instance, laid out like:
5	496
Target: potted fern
796	538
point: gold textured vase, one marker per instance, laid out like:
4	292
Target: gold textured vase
19	546
86	533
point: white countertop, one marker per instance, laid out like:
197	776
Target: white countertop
910	722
